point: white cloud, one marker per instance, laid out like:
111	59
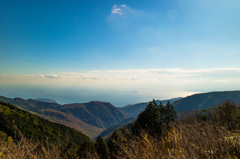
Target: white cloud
123	17
40	76
220	74
148	82
119	9
157	75
138	79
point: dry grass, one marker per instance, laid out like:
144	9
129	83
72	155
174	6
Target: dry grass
25	149
9	149
195	140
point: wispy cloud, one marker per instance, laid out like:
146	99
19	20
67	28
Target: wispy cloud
148	82
142	74
40	76
125	17
120	9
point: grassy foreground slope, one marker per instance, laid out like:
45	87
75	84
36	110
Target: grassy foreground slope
14	120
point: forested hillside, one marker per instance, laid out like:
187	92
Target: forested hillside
207	133
156	133
205	100
15	122
100	114
90	118
135	109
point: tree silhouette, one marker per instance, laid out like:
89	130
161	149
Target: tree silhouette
101	148
150	120
169	114
85	149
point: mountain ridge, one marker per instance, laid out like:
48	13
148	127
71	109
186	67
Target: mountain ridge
205	100
94	117
91	117
33	127
46	100
134	109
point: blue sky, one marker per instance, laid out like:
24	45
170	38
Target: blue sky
118	51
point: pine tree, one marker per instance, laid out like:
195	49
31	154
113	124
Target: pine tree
150	120
170	114
114	143
101	148
162	109
85	148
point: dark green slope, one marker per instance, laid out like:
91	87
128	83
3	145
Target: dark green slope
89	118
109	114
109	130
35	128
205	100
80	112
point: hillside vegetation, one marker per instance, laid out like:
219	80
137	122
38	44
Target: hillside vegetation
207	133
156	133
204	100
94	117
91	118
14	120
135	109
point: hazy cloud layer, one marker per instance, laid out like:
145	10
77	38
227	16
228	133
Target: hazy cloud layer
141	74
181	76
144	84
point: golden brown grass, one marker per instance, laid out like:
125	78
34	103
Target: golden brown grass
186	140
195	140
9	149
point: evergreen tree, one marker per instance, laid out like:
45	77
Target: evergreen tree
86	148
150	120
162	109
114	143
101	148
169	114
227	114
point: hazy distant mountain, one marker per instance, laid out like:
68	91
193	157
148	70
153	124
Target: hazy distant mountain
134	110
30	104
100	114
204	100
90	118
46	100
109	130
93	117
